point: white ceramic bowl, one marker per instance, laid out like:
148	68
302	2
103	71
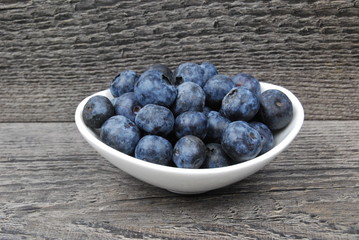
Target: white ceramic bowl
192	181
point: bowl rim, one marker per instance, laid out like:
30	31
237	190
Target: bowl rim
90	137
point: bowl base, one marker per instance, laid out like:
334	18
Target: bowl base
185	193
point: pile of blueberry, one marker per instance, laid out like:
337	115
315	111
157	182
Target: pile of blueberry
193	117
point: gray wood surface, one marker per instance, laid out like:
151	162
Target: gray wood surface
54	53
54	186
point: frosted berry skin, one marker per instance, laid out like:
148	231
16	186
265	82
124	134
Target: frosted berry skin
189	152
248	81
190	97
165	70
123	83
154	149
266	136
276	109
241	142
96	111
209	70
215	157
240	104
127	105
155	119
189	72
191	123
152	88
120	133
216	124
216	88
207	110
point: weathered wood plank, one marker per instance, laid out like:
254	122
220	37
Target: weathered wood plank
53	54
54	186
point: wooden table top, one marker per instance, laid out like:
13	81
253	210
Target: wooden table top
53	185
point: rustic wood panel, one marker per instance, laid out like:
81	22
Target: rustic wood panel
54	186
54	53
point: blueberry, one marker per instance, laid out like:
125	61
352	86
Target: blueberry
155	119
248	81
206	110
216	124
190	97
189	72
152	88
97	110
123	83
120	133
189	152
165	70
266	136
276	110
215	157
241	142
154	149
127	105
209	70
240	104
191	123
216	88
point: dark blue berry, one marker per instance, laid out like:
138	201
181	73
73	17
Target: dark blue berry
216	124
248	81
96	111
209	70
120	133
216	88
190	97
154	149
206	110
165	70
191	123
123	83
266	136
189	72
241	142
276	110
189	152
152	88
155	119
240	104
215	157
127	105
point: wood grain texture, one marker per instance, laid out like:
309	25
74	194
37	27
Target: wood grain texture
54	186
54	53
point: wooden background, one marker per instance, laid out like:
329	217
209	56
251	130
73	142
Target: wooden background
55	53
